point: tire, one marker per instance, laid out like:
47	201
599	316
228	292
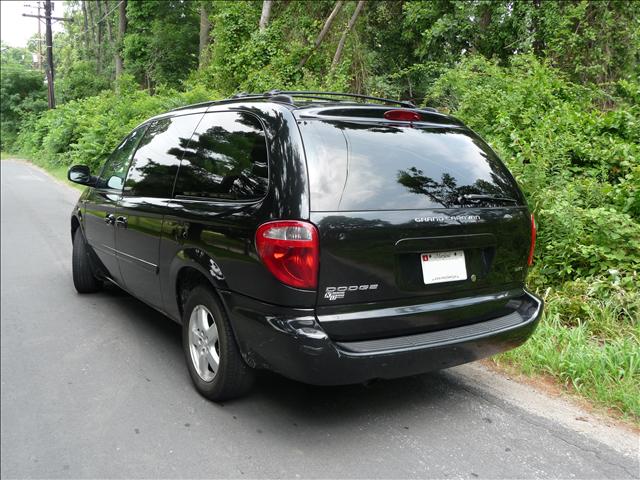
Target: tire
207	338
84	278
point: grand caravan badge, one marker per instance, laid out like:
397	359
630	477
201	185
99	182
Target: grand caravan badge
335	293
444	219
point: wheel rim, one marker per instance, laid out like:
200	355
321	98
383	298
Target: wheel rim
203	343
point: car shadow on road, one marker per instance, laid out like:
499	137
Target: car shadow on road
275	399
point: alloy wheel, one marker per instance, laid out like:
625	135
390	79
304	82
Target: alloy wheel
203	343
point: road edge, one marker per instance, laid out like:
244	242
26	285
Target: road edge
562	410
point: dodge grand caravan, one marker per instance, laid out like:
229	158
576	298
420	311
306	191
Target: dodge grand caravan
331	238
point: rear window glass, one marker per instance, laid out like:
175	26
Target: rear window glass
358	166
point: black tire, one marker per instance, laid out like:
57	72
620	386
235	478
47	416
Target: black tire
84	278
233	377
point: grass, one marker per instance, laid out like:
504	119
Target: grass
589	342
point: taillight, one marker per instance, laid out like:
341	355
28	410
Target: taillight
402	115
533	240
289	249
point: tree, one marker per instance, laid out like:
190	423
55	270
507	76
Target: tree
122	30
205	29
100	35
161	43
343	38
85	20
327	25
266	13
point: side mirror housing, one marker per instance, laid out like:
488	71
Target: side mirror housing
80	174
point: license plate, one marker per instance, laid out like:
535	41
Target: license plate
439	267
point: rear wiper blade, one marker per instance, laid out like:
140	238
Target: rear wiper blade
495	198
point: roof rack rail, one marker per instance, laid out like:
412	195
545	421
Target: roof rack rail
323	95
286	96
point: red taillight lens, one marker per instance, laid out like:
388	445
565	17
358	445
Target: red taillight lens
534	232
402	115
289	249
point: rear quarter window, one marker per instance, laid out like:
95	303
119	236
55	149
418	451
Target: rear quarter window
364	166
226	159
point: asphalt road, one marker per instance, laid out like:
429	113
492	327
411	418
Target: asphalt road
95	386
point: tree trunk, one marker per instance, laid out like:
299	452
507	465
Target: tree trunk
205	28
100	34
86	27
266	13
122	29
479	45
108	23
343	38
92	26
323	32
538	41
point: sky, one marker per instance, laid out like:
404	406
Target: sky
15	30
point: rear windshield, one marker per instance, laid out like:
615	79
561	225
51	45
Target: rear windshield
359	166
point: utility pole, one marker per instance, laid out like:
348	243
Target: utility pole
49	40
39	51
48	7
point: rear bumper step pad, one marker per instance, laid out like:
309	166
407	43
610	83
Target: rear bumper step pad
430	339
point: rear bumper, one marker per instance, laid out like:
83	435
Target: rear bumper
291	342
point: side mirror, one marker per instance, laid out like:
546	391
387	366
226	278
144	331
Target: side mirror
80	174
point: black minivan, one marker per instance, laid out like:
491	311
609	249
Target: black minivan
332	238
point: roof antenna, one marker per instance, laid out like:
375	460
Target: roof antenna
276	96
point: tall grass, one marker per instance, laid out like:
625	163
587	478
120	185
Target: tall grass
589	340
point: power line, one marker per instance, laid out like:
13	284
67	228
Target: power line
61	19
95	24
108	13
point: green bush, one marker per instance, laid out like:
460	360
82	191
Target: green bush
86	131
22	93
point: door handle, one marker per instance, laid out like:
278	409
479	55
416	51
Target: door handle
109	219
121	221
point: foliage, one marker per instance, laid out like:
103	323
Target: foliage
79	80
22	92
244	59
16	56
161	45
400	48
84	52
86	131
